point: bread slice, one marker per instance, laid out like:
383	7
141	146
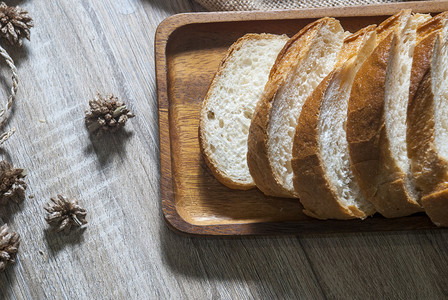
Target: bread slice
376	128
396	195
306	59
426	36
229	104
322	176
427	135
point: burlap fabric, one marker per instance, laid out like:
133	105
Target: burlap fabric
215	5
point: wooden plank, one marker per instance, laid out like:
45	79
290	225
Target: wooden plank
79	47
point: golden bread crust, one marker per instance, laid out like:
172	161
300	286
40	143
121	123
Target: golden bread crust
426	36
436	207
257	156
430	170
383	183
316	193
365	117
310	181
428	167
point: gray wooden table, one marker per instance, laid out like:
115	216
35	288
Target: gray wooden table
79	47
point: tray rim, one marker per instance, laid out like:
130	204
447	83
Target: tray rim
164	31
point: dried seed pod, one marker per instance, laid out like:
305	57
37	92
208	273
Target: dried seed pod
64	214
15	24
9	246
12	185
107	114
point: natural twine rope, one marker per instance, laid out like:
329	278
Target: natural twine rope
15	83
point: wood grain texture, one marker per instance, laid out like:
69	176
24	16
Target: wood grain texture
79	47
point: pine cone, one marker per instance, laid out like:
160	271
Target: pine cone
15	24
9	245
63	214
108	114
12	185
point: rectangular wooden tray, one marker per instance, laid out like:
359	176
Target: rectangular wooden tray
188	49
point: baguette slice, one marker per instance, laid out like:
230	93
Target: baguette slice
427	136
306	59
396	193
426	36
229	104
322	176
376	119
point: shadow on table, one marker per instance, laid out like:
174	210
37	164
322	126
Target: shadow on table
364	265
176	7
16	2
56	241
9	211
266	268
108	145
18	54
6	279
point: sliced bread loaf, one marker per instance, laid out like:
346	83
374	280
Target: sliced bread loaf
322	176
376	127
427	135
426	36
397	195
306	59
229	104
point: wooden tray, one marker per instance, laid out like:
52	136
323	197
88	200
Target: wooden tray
188	49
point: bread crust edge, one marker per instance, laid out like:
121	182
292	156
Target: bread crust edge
310	180
211	163
257	157
380	179
429	168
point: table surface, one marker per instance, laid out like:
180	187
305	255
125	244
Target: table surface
81	47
